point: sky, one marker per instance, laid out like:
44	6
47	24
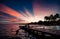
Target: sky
23	11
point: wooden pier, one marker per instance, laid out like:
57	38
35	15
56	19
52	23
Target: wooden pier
39	34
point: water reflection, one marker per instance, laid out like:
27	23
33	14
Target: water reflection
58	27
10	29
44	27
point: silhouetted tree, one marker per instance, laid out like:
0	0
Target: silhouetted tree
47	18
56	16
40	22
51	17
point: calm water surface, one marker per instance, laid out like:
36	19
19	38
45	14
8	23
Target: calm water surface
10	30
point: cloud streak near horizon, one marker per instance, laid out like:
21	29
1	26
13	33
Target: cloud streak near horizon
39	10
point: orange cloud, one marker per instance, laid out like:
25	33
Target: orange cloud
11	12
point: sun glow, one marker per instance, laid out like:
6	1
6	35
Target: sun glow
39	13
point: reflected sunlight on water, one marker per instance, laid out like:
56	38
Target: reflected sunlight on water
10	29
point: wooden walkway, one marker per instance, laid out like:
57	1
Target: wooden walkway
40	34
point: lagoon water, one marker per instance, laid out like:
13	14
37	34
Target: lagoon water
10	30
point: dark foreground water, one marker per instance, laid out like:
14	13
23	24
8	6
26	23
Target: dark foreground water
10	30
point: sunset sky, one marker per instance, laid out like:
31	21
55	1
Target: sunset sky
23	11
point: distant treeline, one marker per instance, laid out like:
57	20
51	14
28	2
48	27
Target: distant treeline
49	20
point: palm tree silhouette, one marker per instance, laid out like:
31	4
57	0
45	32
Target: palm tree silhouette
51	17
56	16
47	18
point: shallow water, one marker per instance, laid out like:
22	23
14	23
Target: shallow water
10	30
